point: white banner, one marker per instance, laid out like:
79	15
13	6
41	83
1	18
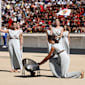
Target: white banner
64	12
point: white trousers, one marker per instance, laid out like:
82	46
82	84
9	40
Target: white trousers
15	54
60	66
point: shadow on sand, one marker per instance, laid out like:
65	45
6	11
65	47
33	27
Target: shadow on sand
4	71
29	76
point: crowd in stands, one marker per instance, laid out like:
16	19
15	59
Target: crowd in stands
37	15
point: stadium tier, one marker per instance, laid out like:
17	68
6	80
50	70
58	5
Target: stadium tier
37	15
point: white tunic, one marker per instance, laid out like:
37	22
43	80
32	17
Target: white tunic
14	49
50	45
57	32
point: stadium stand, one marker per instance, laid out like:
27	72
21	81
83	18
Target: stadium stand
37	15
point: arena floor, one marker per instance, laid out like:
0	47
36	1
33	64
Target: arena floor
45	78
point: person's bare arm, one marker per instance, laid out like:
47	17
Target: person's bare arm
47	57
5	31
61	33
51	30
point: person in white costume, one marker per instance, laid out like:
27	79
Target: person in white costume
15	46
60	69
66	40
4	35
58	31
49	34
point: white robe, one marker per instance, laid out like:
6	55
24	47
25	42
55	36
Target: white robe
65	42
14	49
60	66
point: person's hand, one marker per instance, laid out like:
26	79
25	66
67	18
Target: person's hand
58	36
38	63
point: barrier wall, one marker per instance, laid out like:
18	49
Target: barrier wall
40	41
36	40
77	41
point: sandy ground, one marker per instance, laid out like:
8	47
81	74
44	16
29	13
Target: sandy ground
7	78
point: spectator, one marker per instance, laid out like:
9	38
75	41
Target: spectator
35	11
4	35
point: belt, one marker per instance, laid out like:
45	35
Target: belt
13	38
60	52
64	36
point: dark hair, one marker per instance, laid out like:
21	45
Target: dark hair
50	37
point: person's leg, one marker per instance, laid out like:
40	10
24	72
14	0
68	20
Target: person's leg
65	61
11	55
18	55
5	39
73	75
55	67
54	63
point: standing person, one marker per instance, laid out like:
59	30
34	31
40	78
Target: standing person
4	35
49	35
15	46
60	71
58	31
66	40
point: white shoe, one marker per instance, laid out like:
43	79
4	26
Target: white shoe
4	46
